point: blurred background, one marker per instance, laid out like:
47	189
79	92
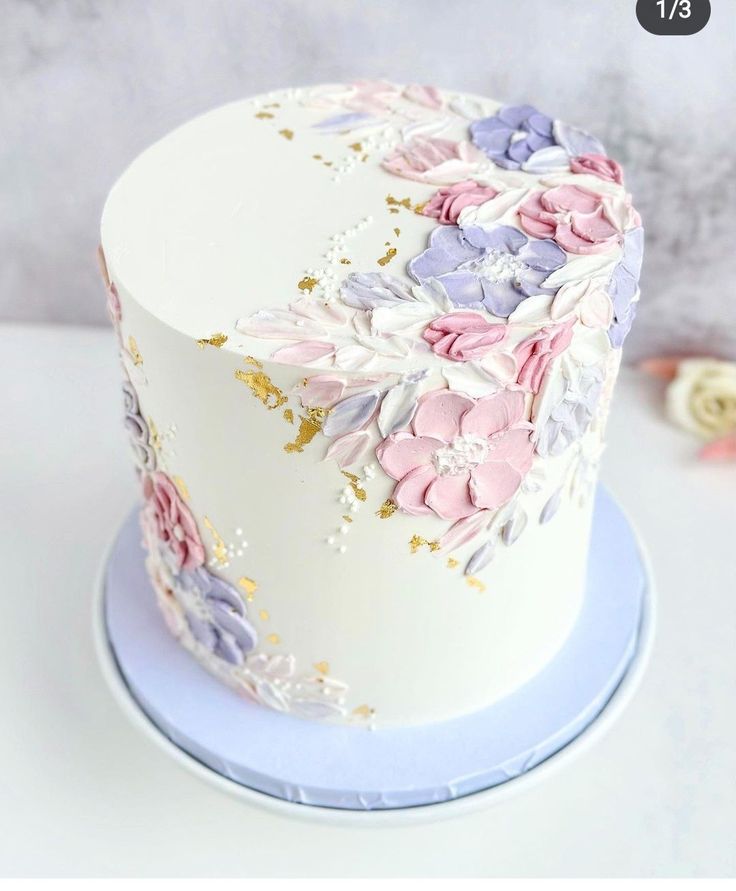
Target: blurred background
87	85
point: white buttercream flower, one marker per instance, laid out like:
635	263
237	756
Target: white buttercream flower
702	397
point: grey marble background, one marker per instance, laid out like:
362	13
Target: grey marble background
85	86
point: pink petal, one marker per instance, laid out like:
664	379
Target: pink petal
491	414
463	531
410	491
400	453
439	414
567	198
348	449
321	390
574	244
303	353
515	447
449	498
722	449
493	483
593	226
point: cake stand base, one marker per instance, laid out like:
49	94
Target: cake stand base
411	773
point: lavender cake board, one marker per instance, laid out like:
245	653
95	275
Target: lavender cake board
353	768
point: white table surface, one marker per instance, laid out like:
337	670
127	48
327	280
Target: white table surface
83	793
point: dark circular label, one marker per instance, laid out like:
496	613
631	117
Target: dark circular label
673	17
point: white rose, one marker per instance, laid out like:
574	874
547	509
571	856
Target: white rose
702	397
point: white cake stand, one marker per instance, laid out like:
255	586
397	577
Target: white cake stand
619	682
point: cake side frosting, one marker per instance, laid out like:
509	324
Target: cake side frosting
410	418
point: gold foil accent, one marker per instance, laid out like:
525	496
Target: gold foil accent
364	158
286	133
473	582
263	615
218	548
317	157
416	542
364	711
309	427
347	518
356	146
251	360
273	639
249	586
264	115
273	105
452	563
288	416
419	208
153	435
216	340
393	210
345	261
327	163
395	203
397	231
390	254
322	667
387	509
358	491
262	388
182	487
134	351
308	283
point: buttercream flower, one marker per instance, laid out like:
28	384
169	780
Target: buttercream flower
463	455
534	354
624	286
139	435
428	159
566	407
175	526
598	165
113	304
496	268
447	203
702	397
574	217
215	614
512	135
463	336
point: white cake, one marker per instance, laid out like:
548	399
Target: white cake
370	335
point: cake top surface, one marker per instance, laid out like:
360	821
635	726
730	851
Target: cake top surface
340	226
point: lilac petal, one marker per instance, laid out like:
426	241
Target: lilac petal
519	151
541	124
448	249
463	288
202	631
486	125
501	298
531	283
351	414
536	142
507	163
576	141
516	115
226	594
237	626
551	159
344	121
551	507
499	238
228	651
495	142
480	559
619	330
543	254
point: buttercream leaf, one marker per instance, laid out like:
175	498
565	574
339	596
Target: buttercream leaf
534	310
398	407
346	123
480	559
514	527
428	127
500	366
390	347
463	531
348	449
551	507
471	379
280	324
367	290
493	210
353	357
304	353
404	318
547	160
581	268
576	141
351	414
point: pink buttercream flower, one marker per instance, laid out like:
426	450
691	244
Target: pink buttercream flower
464	455
534	354
428	159
463	336
446	204
598	165
173	521
575	218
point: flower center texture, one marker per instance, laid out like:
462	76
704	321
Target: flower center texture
499	266
462	454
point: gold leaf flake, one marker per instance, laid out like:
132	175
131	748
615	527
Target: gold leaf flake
398	202
317	157
273	639
262	388
358	491
387	509
390	254
364	711
347	518
288	416
134	351
345	261
452	563
393	210
182	487
273	105
218	548
309	427
397	231
322	667
251	360
473	582
153	435
264	115
327	163
416	542
356	146
308	283
419	208
263	615
216	340
286	133
364	158
249	586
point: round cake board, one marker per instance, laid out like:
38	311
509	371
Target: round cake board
338	773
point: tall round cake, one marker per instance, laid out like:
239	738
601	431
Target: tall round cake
370	334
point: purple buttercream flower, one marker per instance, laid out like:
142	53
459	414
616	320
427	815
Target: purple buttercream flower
624	285
512	135
216	616
496	268
138	433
